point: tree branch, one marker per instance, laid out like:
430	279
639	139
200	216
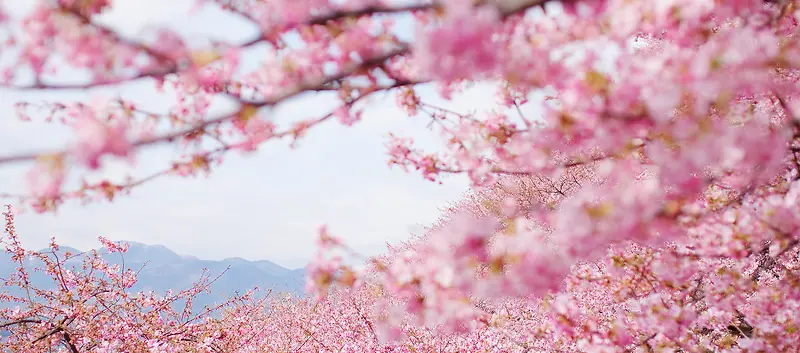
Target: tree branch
20	321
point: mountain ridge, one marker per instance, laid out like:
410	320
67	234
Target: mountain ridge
163	269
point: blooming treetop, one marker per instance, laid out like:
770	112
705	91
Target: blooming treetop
653	206
90	307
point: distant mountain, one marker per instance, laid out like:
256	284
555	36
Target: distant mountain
162	269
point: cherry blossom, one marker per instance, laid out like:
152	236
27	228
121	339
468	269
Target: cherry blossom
649	205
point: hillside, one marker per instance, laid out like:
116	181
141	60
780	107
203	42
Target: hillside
163	269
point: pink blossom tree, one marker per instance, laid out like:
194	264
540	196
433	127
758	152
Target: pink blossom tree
652	207
91	307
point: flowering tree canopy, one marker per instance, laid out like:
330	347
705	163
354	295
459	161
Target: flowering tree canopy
652	207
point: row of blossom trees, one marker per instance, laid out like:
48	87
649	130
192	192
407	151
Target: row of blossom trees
691	295
652	207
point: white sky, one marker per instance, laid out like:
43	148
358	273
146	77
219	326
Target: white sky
263	206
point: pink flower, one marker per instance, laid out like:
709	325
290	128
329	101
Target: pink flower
113	247
3	14
346	116
97	138
321	274
46	178
462	47
326	241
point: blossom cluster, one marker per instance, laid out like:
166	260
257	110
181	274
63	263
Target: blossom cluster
653	206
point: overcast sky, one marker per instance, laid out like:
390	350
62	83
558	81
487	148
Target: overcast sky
262	206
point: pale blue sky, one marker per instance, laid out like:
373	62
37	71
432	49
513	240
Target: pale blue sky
263	206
